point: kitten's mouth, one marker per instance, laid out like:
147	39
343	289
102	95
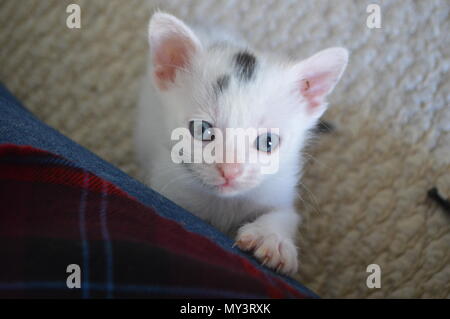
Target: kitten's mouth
226	184
228	188
225	188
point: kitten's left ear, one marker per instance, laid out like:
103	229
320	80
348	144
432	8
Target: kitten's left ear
173	45
318	75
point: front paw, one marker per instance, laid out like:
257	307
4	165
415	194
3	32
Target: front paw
272	249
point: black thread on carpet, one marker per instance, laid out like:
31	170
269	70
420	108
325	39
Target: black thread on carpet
444	203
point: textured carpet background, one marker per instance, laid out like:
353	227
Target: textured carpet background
366	184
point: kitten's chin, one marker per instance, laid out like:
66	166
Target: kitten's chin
227	191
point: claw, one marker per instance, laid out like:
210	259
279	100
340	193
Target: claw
244	245
280	265
249	245
266	260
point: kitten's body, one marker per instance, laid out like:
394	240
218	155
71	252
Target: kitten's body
259	209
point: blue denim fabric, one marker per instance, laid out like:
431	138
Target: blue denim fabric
19	126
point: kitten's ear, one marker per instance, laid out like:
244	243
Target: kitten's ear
318	75
172	46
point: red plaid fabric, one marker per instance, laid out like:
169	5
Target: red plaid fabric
54	214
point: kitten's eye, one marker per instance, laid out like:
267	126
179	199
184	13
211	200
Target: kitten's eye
267	142
201	130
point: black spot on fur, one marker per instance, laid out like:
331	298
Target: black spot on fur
245	64
222	83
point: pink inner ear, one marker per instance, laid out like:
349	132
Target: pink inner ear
172	55
314	88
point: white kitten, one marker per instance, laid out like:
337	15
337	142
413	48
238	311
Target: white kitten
209	76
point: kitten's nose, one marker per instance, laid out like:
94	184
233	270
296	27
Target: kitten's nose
230	171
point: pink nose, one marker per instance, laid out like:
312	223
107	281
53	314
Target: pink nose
230	171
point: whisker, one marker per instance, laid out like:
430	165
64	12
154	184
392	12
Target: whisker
316	160
315	203
177	178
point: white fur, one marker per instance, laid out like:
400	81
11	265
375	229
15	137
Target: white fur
259	212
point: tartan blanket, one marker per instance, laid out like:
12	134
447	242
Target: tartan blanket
55	214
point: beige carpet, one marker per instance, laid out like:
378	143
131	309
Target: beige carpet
366	199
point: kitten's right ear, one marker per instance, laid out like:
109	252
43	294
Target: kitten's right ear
172	46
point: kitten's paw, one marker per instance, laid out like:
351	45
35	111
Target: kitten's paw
272	249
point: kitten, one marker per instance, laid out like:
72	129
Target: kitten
216	81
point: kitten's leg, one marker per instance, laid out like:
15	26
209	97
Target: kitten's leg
271	237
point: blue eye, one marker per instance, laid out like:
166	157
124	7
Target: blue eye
267	142
201	130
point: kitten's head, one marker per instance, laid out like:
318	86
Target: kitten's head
212	86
